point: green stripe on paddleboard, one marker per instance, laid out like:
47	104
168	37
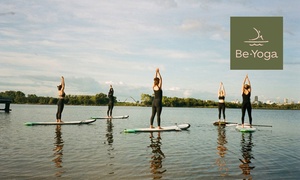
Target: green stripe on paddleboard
29	124
246	130
129	130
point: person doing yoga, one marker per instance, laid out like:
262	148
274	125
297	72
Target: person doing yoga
246	105
110	101
61	99
221	105
157	101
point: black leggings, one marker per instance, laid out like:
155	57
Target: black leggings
249	109
156	109
110	108
60	108
221	108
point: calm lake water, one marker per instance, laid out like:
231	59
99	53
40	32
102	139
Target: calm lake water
102	151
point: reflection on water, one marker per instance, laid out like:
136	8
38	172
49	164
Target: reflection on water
246	144
58	151
157	156
110	140
221	162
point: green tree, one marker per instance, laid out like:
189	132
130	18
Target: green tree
32	99
101	99
146	99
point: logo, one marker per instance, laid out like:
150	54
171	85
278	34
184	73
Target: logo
256	43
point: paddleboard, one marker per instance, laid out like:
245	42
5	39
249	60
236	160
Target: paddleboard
246	128
178	127
61	123
114	117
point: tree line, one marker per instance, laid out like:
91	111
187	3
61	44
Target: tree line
19	97
146	100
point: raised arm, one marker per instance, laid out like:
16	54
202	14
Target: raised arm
243	85
249	89
244	82
248	81
62	83
157	74
223	88
220	89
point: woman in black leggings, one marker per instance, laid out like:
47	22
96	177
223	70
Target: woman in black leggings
61	99
246	105
157	101
110	101
221	105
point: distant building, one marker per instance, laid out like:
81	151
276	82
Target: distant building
236	101
256	100
285	101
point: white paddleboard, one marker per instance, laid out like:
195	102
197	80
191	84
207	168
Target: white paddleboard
178	127
61	123
246	128
114	117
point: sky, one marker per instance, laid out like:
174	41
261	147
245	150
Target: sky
95	43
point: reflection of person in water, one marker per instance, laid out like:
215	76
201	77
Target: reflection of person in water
246	150
110	140
157	156
58	150
109	133
222	151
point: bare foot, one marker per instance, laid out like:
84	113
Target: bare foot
152	127
159	127
242	125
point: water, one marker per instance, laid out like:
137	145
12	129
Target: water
102	151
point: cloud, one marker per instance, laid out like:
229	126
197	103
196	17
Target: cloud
166	3
7	13
93	42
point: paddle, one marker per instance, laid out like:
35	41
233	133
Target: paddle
259	125
232	124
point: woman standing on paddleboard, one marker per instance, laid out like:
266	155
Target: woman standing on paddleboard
246	105
157	101
61	101
221	96
111	101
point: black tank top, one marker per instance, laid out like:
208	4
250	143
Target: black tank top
158	94
222	97
246	97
